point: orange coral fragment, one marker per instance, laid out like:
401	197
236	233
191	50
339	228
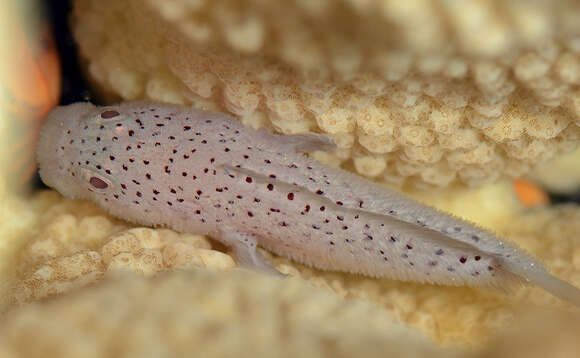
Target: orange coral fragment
529	194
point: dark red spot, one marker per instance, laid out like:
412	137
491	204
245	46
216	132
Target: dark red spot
322	208
248	179
477	258
319	192
339	203
138	194
463	259
109	114
98	183
111	157
146	162
131	133
270	186
290	196
410	247
307	208
250	214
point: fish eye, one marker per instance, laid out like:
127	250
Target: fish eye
109	114
98	183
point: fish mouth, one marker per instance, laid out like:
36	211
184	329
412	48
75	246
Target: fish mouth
49	154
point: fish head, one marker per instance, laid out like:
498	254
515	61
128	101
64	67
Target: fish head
74	149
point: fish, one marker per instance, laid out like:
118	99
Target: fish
206	173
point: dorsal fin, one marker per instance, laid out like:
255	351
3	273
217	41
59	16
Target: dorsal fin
301	142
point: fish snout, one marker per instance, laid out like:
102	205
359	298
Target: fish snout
53	145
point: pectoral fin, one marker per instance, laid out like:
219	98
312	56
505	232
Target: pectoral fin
244	245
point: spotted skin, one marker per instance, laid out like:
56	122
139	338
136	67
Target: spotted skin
201	172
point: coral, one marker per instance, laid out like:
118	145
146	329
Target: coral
435	92
207	315
78	245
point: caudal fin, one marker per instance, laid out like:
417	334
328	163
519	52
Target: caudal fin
537	275
557	287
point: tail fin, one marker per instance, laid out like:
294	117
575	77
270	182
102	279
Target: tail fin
557	287
539	276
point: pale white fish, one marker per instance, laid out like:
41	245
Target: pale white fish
200	172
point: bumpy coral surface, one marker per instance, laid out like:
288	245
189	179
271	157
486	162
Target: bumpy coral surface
204	314
199	313
414	92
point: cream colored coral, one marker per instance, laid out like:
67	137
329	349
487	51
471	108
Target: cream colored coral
204	314
207	314
78	245
444	88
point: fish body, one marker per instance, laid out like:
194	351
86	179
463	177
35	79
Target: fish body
201	172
